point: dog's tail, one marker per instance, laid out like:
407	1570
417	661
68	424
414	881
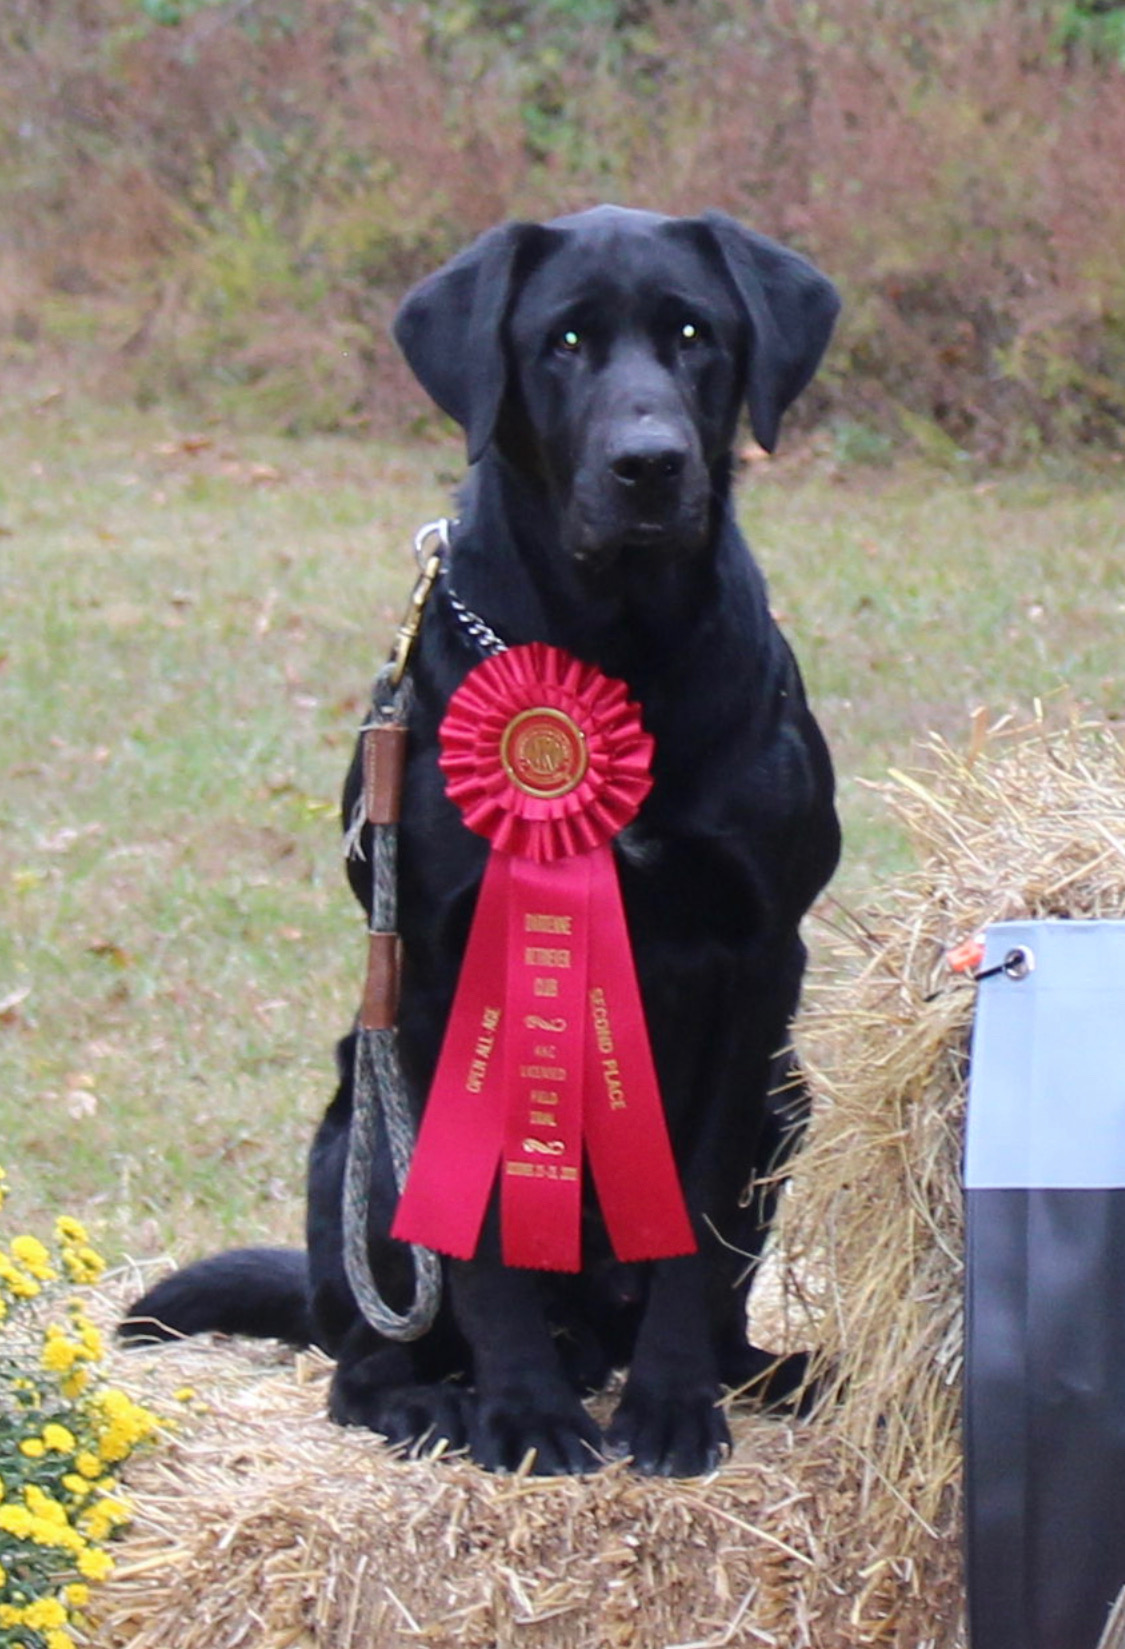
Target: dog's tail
262	1292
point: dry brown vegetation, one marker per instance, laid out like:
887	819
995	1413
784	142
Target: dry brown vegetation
229	205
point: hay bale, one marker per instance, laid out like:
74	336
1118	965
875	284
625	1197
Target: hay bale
1027	824
262	1525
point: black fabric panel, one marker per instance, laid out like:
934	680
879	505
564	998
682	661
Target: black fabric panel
1044	1416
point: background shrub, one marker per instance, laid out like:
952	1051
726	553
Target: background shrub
225	200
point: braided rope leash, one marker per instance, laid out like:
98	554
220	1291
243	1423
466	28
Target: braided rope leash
379	1097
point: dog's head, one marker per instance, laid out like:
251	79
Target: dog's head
609	354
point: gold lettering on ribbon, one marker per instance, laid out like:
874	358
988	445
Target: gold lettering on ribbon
600	1011
541	1118
483	1050
538	923
544	1150
542	1170
603	1036
614	1087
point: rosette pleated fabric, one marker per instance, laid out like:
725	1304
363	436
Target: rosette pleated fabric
546	1062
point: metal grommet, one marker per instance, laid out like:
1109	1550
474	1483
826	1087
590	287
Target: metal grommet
1019	962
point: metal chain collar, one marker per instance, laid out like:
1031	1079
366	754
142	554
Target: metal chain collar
482	635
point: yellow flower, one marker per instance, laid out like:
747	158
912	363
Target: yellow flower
93	1346
58	1439
101	1519
107	1426
121	1424
16	1520
46	1533
58	1355
31	1254
94	1564
20	1284
45	1530
83	1264
45	1506
60	1640
45	1614
114	1445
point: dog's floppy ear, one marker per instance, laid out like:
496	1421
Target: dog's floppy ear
791	308
450	328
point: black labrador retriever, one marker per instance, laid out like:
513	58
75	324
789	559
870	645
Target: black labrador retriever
598	365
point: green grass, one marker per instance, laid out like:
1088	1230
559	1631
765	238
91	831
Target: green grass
915	597
186	638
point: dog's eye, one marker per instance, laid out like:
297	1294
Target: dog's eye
568	342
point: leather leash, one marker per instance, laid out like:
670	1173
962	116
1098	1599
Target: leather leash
379	1093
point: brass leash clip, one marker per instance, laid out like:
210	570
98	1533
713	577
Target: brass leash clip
407	633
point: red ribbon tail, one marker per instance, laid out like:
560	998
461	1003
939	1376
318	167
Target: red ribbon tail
541	1185
461	1137
626	1132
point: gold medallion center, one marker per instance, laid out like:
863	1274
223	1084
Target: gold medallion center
544	752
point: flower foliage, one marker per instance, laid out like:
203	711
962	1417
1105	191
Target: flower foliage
62	1433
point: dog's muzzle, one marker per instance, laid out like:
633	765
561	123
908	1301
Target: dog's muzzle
644	488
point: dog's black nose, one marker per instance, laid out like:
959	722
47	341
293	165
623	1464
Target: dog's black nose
649	463
654	464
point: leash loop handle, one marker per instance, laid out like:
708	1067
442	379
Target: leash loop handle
379	1096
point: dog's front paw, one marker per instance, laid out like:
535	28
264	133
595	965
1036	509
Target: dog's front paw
426	1419
419	1418
552	1427
669	1433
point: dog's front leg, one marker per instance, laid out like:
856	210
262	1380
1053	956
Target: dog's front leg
524	1403
669	1420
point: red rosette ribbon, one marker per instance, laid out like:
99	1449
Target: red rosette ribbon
546	1056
